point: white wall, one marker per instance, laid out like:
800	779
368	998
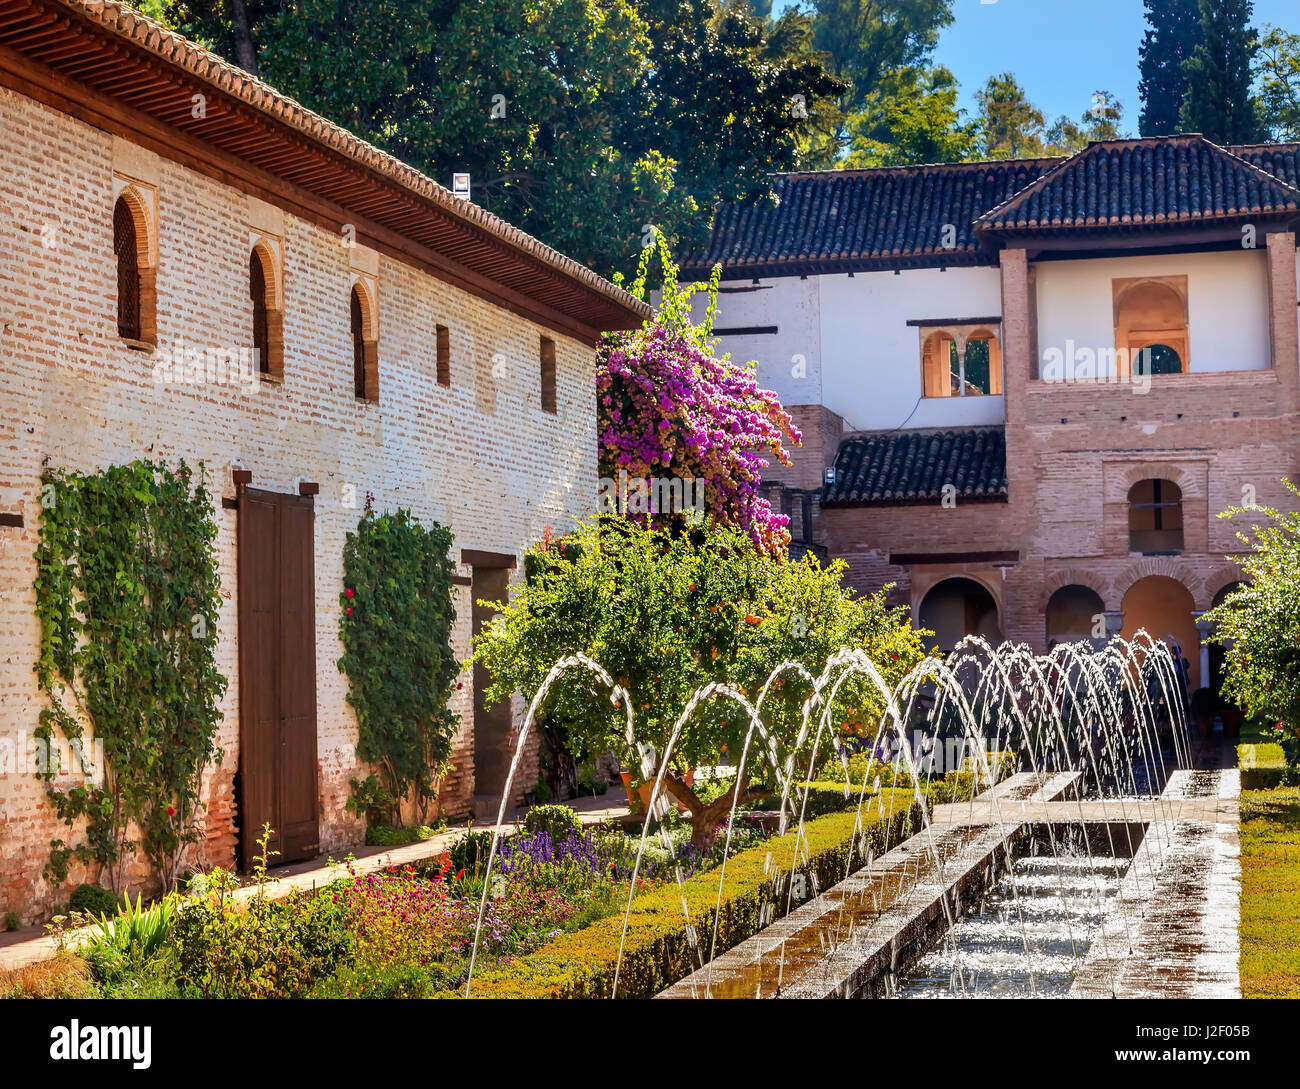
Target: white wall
1227	299
789	361
862	359
871	357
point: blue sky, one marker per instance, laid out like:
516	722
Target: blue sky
1063	50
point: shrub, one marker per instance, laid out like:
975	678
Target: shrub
385	835
658	952
1259	624
93	900
266	950
557	821
124	943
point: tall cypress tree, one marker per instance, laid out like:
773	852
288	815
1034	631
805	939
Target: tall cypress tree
1219	103
1173	32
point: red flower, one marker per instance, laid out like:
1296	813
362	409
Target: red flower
349	610
348	593
171	811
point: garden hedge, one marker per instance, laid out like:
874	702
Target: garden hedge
657	952
1263	766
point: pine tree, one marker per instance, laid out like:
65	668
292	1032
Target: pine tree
1173	32
1219	103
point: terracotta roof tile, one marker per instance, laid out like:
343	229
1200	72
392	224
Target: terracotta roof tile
913	467
1163	180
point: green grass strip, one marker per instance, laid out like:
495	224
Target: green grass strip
1270	893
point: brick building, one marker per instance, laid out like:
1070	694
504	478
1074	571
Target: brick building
1027	388
156	200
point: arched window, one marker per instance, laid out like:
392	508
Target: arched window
268	316
365	348
1155	517
126	248
1151	324
136	277
961	361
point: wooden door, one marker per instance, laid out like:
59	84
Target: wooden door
277	675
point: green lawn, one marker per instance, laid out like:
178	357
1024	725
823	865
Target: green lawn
1270	893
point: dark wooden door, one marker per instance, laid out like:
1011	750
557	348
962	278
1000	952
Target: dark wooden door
277	675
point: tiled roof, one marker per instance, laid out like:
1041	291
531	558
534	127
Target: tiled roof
74	36
898	467
1280	160
846	220
823	218
1170	179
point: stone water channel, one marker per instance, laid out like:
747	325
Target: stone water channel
1025	890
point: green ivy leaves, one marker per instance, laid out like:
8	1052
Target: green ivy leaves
395	621
127	595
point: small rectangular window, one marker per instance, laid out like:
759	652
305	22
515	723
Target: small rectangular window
444	356
548	375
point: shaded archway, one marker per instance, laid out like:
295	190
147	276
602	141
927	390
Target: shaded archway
957	607
1163	606
1072	614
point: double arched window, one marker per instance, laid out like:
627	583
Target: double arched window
961	361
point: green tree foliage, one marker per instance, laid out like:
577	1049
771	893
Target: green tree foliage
881	50
128	596
581	121
918	122
1279	83
395	621
1259	624
666	613
1172	34
1219	102
1014	128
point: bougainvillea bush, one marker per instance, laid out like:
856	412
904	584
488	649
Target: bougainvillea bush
669	408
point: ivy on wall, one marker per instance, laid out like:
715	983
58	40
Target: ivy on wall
127	594
395	624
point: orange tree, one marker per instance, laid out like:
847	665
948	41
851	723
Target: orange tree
1259	625
667	612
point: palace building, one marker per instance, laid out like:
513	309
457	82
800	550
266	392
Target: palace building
160	205
1028	388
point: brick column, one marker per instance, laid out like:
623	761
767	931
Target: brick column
1283	335
1018	323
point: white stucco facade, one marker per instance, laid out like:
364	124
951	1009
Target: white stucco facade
1227	305
845	342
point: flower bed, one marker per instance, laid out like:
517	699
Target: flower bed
657	950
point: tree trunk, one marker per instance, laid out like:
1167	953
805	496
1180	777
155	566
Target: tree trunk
245	51
704	818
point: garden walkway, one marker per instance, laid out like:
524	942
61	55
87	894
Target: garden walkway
19	948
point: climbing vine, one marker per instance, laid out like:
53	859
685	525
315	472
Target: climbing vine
395	624
127	595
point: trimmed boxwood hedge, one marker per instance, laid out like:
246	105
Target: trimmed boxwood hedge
657	952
